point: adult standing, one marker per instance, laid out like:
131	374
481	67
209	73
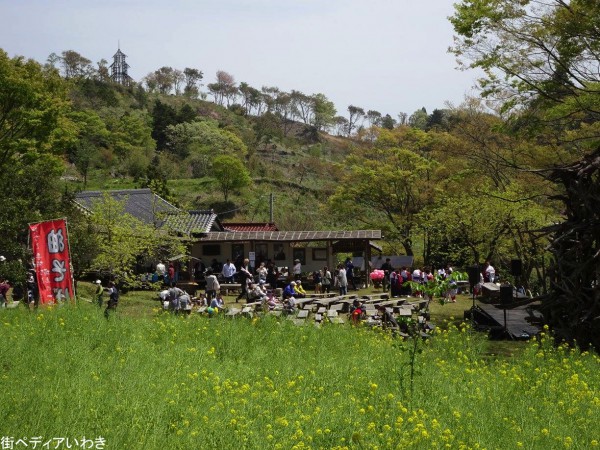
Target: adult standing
99	293
113	298
349	266
297	269
244	278
212	285
317	281
216	265
161	271
171	273
228	271
341	280
490	272
199	270
395	283
33	293
387	271
326	280
272	275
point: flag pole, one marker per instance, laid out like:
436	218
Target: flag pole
70	262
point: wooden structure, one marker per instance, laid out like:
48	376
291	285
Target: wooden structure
208	238
283	247
119	69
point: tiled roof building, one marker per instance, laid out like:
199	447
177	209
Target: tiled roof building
140	203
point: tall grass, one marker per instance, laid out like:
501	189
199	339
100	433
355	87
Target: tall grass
193	382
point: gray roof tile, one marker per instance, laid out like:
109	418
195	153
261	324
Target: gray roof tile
140	203
193	222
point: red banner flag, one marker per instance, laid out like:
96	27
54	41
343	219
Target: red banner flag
52	263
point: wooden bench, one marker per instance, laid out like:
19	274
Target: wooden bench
324	295
302	314
405	312
334	317
303	301
226	287
253	304
327	301
375	297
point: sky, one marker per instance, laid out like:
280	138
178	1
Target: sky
384	55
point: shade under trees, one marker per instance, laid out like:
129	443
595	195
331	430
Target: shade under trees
541	64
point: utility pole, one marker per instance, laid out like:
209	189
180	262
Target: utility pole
271	208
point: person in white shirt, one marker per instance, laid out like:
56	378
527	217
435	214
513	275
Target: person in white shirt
161	271
163	296
228	271
417	276
490	272
341	280
297	270
262	272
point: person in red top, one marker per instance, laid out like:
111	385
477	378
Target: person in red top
171	273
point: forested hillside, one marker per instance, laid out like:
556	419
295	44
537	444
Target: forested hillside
513	174
436	184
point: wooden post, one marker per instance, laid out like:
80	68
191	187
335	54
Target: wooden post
367	260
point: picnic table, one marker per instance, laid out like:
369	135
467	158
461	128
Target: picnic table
384	300
324	295
226	287
375	297
327	301
392	302
302	301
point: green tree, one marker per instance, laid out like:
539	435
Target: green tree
224	89
355	113
418	119
91	136
540	62
34	131
192	80
204	137
163	115
384	188
323	112
388	122
33	108
76	65
230	174
124	240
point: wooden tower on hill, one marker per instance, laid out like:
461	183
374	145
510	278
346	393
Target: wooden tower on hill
118	69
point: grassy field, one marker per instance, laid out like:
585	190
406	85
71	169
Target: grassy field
152	380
